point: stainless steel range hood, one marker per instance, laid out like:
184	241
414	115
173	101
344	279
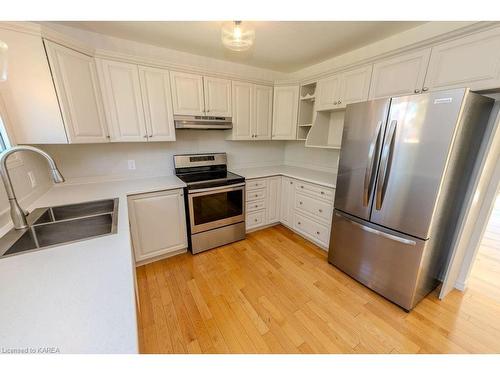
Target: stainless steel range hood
202	122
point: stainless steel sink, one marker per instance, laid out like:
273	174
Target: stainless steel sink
51	226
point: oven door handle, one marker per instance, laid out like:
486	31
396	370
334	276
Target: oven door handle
218	189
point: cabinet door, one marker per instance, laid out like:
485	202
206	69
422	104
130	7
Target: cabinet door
287	200
157	223
286	101
355	85
242	111
273	199
217	96
187	94
122	91
328	92
157	103
28	96
75	79
263	111
400	75
473	61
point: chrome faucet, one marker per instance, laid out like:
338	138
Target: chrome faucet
17	214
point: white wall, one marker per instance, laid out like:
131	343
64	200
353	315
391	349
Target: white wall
25	193
155	158
298	155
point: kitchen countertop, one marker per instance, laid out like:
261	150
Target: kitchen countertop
78	297
304	174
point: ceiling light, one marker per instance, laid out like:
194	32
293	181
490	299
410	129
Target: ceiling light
3	61
236	37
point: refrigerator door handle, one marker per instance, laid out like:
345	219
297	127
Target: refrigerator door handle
378	232
373	155
387	152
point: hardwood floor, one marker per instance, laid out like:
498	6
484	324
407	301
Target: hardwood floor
275	292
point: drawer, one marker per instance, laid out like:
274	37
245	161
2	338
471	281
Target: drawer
256	205
255	219
254	195
318	208
312	229
256	184
316	190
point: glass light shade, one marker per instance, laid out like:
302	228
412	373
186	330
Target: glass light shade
3	61
237	37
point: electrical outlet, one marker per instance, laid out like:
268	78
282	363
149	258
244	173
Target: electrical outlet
32	178
131	164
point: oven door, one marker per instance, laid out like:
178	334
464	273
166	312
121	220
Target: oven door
216	207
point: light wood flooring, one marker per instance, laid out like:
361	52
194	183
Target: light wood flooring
275	292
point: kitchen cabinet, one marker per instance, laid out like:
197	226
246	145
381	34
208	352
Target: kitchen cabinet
337	91
273	199
157	224
217	96
400	75
287	199
252	111
157	103
472	61
30	107
197	95
123	102
187	94
76	83
285	107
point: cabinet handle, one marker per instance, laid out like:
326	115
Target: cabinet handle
425	89
256	206
320	210
322	193
298	222
256	135
255	220
302	186
208	110
416	91
291	182
317	232
256	195
150	136
108	136
300	202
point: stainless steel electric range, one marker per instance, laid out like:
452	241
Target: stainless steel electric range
214	200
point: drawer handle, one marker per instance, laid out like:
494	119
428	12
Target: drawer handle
298	222
300	202
317	232
302	186
320	210
255	220
291	182
256	206
256	195
323	192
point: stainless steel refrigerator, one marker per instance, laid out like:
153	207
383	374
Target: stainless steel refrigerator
404	170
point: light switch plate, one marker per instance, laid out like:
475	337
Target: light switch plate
131	164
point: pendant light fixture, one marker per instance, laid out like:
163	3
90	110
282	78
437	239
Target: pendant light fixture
236	37
3	61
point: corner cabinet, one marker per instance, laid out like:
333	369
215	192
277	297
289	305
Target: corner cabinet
400	75
472	61
252	111
285	107
196	95
157	224
77	87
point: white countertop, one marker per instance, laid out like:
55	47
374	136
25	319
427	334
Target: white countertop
79	297
304	174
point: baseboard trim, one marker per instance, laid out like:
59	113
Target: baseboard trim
160	257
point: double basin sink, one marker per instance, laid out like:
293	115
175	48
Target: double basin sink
57	225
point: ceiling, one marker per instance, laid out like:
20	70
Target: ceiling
284	46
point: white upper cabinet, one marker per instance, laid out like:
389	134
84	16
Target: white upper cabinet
122	92
355	85
328	91
217	96
187	94
286	101
336	91
243	115
157	102
77	87
252	111
32	112
472	61
400	75
263	111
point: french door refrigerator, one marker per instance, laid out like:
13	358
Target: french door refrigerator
404	171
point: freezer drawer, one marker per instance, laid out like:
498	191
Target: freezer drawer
385	261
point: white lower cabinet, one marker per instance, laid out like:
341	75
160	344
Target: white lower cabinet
304	207
157	224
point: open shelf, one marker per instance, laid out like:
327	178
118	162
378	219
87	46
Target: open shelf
326	131
306	110
305	125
